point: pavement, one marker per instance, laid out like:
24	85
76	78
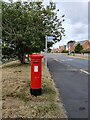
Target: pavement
80	56
71	78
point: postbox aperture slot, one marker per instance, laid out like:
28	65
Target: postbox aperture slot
35	62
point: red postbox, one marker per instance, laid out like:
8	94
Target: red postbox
36	70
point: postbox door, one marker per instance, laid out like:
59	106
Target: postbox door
36	74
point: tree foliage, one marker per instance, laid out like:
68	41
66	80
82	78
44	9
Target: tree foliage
26	24
78	48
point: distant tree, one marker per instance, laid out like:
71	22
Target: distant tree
71	41
78	48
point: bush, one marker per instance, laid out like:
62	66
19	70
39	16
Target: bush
85	51
64	51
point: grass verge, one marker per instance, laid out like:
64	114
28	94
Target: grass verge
16	98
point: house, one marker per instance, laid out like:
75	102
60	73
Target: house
70	46
62	48
55	50
85	44
59	50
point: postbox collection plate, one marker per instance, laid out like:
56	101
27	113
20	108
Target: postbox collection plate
35	68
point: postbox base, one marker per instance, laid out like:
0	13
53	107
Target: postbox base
36	92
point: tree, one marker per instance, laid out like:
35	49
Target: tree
78	48
26	24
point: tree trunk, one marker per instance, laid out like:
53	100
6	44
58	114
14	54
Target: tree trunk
22	58
28	58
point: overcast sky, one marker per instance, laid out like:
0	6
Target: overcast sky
76	19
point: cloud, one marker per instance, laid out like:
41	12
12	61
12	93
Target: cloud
67	0
76	11
80	28
89	20
76	21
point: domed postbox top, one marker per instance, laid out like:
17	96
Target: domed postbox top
33	56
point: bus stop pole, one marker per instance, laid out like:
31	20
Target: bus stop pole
46	51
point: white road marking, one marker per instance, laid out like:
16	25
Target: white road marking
56	60
69	59
84	71
62	60
74	69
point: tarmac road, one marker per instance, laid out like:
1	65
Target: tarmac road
71	79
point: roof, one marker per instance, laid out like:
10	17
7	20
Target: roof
81	42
